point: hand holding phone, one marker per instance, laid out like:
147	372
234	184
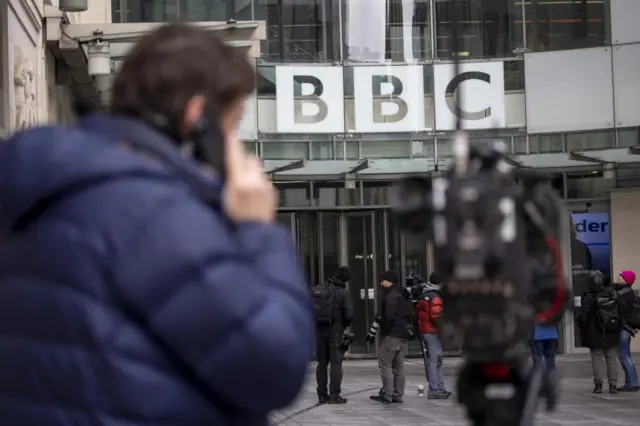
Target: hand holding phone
249	195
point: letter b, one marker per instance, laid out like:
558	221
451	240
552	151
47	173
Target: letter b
376	89
313	98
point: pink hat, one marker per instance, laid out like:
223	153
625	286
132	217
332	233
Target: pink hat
628	276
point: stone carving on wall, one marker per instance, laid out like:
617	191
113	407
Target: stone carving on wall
24	90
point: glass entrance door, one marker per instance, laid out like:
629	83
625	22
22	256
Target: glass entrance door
361	253
586	230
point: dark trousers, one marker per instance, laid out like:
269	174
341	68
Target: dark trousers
544	351
328	353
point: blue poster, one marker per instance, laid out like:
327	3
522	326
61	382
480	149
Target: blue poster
592	229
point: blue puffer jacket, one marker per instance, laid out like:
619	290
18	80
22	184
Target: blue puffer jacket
132	302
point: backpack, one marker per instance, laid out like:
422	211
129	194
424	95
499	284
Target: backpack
324	302
607	314
633	320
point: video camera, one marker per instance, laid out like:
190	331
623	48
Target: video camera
495	230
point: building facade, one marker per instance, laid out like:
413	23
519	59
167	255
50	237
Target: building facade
354	94
31	91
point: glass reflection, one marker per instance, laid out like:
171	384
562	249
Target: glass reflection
297	30
561	24
379	30
488	28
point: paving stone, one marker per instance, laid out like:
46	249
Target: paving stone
578	406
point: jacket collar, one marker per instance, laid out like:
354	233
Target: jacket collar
147	141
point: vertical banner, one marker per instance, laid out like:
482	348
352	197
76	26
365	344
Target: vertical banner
309	99
388	99
249	124
482	105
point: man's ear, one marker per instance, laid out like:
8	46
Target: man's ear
193	110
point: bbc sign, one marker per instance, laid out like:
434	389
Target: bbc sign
310	99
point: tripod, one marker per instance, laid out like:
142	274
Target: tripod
504	394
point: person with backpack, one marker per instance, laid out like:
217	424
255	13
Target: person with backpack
600	323
334	314
396	329
631	303
429	308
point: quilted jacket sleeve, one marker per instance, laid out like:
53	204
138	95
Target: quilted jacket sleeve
231	302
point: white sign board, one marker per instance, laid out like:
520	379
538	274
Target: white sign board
483	103
309	99
388	99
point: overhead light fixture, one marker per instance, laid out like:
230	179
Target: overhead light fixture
73	5
99	58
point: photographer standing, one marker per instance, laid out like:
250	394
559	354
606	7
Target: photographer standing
396	329
430	309
334	314
139	288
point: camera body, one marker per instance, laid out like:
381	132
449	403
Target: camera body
494	231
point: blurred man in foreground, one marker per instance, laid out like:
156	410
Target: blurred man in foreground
137	288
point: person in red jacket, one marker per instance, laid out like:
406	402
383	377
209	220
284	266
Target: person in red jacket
429	311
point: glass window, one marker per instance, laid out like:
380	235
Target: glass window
443	147
588	185
285	150
183	10
322	150
562	24
297	30
420	149
539	144
520	145
386	149
628	137
487	29
251	147
294	194
396	30
375	193
266	80
514	75
351	150
334	195
590	140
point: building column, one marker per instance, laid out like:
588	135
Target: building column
625	236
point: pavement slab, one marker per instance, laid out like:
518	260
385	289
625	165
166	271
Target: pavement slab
578	406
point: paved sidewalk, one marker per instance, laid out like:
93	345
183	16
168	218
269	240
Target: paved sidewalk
578	406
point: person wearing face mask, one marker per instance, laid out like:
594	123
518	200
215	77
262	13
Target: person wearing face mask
138	287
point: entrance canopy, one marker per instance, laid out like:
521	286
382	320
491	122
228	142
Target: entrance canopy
88	54
389	169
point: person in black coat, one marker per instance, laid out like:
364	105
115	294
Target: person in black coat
603	346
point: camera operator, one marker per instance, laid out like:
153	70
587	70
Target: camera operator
430	309
396	329
139	287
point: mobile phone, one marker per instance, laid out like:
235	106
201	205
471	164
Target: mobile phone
209	141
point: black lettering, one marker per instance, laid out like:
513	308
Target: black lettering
378	99
313	98
594	227
581	226
450	97
585	226
604	226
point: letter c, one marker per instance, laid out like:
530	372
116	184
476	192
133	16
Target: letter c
449	95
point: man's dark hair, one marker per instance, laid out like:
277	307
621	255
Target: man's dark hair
174	63
435	278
